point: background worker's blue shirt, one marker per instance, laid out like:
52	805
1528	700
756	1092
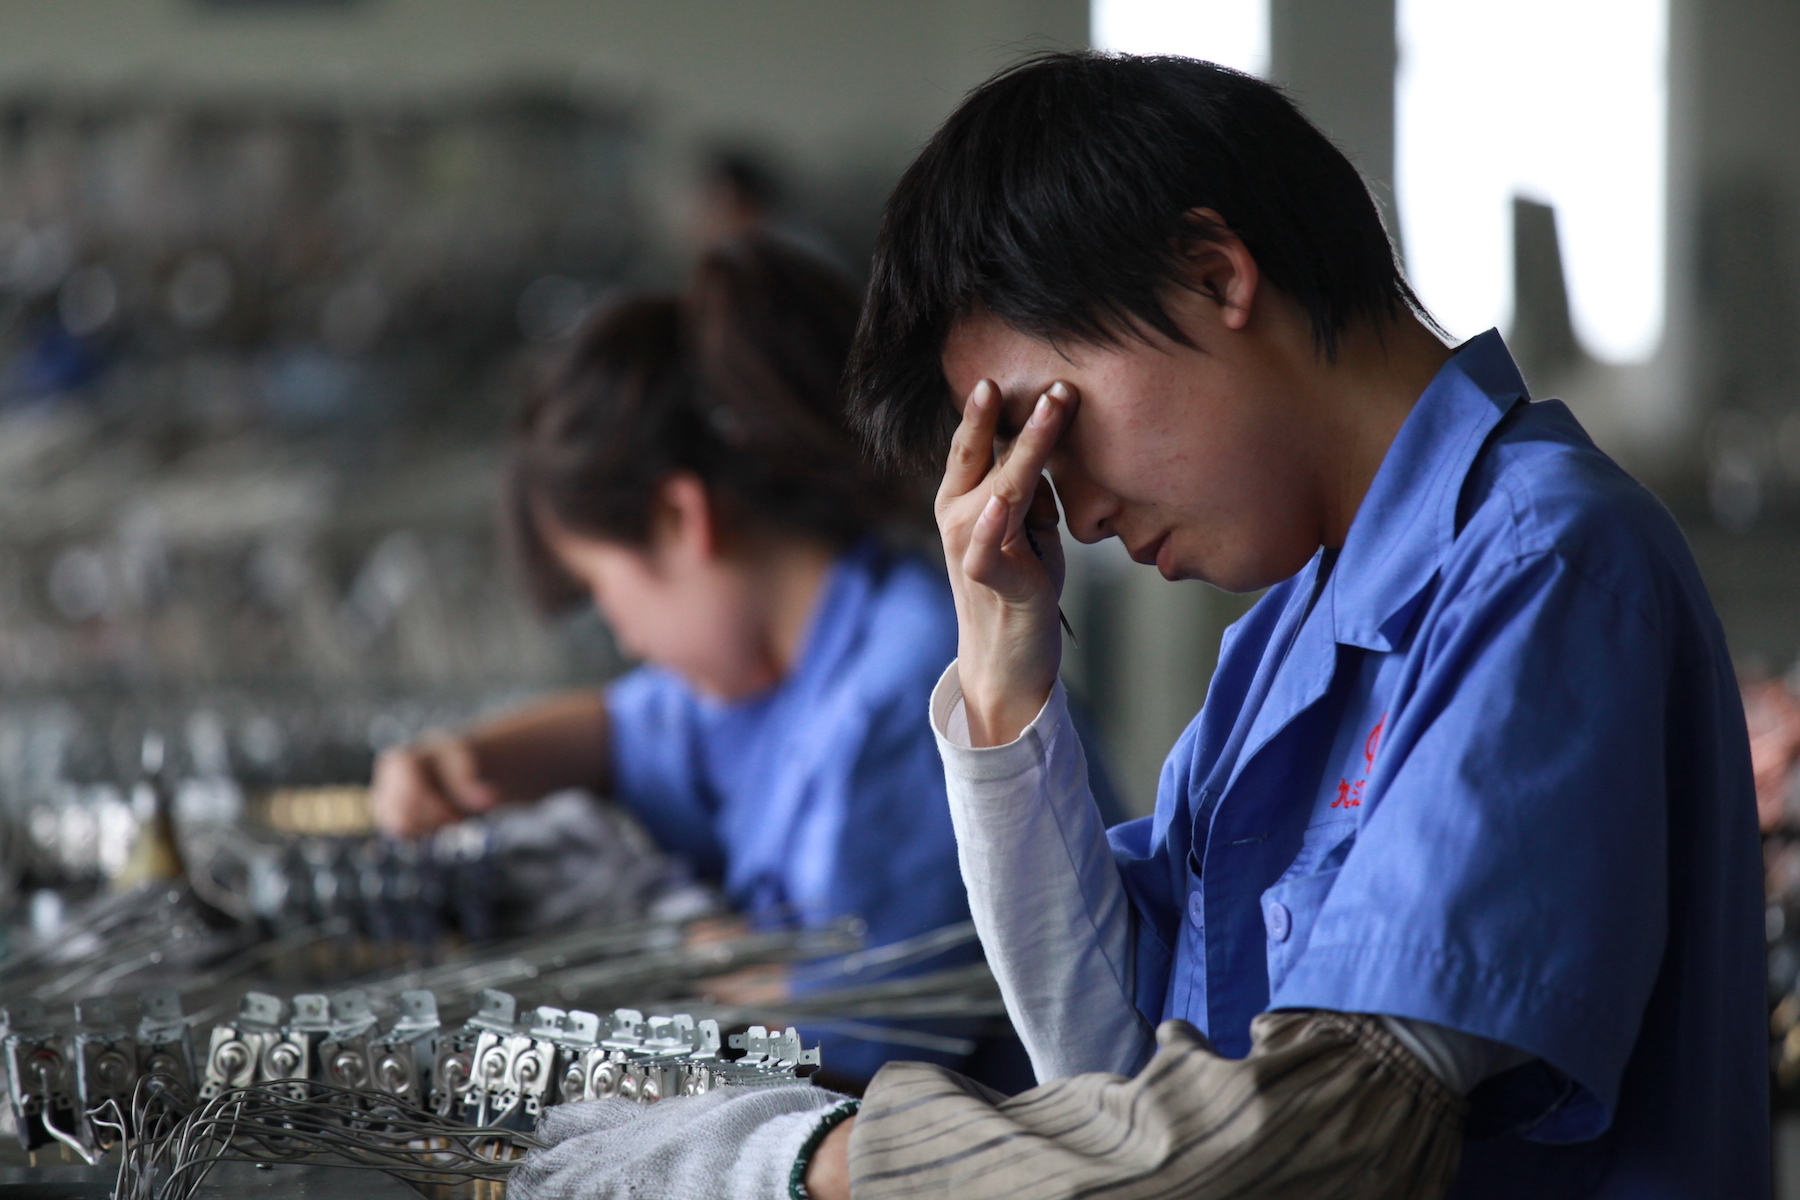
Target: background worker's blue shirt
1497	779
824	796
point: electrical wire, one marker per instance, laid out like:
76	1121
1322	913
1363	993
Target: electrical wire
68	1139
170	1143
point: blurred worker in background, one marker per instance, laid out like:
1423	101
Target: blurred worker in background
687	466
738	194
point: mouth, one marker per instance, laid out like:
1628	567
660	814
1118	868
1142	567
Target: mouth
1148	553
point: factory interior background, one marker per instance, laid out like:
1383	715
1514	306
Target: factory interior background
272	272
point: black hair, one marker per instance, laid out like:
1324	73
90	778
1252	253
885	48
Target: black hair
749	178
736	381
1059	196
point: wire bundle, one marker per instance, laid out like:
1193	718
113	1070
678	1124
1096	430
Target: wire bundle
170	1142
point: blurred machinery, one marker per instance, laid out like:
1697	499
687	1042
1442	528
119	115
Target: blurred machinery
253	359
1772	709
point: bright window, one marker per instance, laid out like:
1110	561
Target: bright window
1233	33
1561	101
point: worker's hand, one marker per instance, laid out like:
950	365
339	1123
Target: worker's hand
828	1175
429	784
730	1141
991	507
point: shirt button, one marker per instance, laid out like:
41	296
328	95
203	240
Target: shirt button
1279	921
1197	910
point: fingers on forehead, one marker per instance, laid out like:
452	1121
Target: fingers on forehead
1020	476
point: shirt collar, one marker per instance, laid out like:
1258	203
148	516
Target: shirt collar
1406	523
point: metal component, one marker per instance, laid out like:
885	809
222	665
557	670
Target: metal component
453	1071
105	1062
495	1073
350	1015
498	1011
343	1055
573	1035
293	1057
494	1094
38	1077
767	1059
165	1044
401	1060
237	1048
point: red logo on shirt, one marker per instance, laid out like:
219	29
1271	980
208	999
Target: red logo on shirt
1373	742
1350	795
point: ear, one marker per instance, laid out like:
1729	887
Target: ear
684	524
1220	267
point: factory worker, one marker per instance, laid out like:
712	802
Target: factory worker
687	467
1453	884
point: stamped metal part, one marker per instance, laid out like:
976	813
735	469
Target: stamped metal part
700	1076
350	1015
572	1035
38	1076
662	1068
165	1044
491	1091
401	1061
453	1071
236	1049
291	1059
343	1055
768	1058
105	1062
496	1069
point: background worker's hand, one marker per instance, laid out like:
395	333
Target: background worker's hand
426	785
751	987
991	508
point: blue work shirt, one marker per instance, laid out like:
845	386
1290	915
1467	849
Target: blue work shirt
1491	772
822	797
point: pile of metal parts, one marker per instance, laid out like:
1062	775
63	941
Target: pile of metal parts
320	1079
570	858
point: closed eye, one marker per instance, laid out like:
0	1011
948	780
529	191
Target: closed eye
1006	432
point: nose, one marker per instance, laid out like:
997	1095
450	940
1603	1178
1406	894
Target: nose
1088	510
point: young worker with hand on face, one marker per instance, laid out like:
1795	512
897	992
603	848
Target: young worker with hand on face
1453	884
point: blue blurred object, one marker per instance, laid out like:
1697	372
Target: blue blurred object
55	363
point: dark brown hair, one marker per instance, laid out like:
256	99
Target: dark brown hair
1059	196
736	381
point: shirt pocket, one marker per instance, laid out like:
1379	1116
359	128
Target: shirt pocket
1322	847
1292	905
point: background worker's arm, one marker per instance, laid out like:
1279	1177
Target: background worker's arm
557	743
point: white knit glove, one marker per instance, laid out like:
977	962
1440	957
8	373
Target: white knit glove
730	1144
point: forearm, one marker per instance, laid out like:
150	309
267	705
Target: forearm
1325	1104
1043	889
556	743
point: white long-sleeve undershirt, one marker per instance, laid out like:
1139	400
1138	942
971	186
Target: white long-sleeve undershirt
1053	916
